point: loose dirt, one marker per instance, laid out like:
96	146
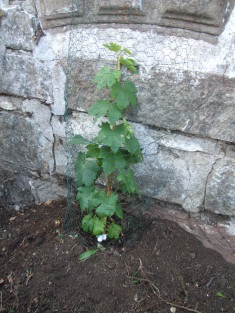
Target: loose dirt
155	267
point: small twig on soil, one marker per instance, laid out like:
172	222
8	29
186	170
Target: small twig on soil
74	247
154	289
29	275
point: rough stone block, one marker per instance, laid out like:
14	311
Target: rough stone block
200	105
175	167
58	13
202	16
205	108
23	186
121	7
26	139
25	76
220	189
18	28
26	5
14	186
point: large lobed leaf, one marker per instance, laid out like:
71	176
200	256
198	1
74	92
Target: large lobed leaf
86	171
124	94
114	231
88	198
102	108
108	204
111	160
105	77
113	138
128	181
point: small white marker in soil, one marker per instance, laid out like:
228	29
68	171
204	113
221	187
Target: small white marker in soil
102	237
173	309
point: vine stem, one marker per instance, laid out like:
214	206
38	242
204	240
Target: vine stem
109	179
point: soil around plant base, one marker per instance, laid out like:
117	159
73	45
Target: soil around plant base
155	267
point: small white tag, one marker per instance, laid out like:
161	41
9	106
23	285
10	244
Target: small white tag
102	237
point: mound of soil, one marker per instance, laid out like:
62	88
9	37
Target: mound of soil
155	267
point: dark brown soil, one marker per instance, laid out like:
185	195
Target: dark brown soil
156	267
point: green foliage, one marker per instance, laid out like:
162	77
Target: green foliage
110	153
78	140
220	295
104	108
129	63
127	180
86	171
87	254
114	231
113	47
105	77
124	94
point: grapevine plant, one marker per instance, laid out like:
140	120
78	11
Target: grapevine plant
110	153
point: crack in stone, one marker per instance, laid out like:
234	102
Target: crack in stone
53	146
208	176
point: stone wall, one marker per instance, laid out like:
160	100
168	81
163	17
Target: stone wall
185	117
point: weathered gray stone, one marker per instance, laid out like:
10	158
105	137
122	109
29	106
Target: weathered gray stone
22	186
172	170
204	107
9	103
202	16
14	186
175	167
198	16
220	189
58	13
122	7
48	188
26	5
27	139
25	76
18	28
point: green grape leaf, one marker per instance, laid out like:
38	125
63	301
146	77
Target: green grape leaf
99	226
86	172
108	205
93	151
129	63
99	108
124	94
104	108
119	211
114	231
111	160
87	254
114	113
105	77
78	140
132	145
88	198
84	196
127	51
88	223
113	138
113	46
128	181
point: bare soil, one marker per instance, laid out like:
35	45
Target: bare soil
155	267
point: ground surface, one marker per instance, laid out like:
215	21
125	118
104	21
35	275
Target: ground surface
157	267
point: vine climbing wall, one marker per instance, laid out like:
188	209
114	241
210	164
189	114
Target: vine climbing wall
185	115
